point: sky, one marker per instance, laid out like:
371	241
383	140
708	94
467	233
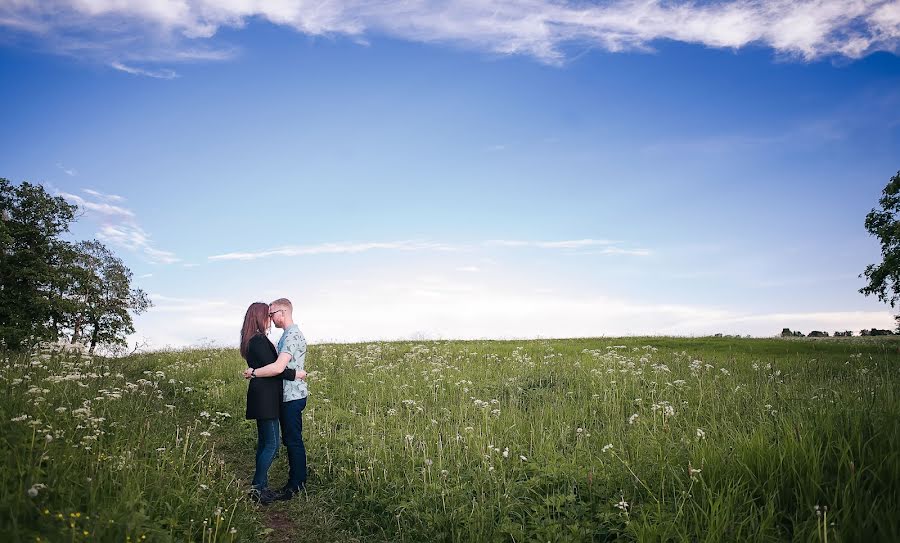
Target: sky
512	169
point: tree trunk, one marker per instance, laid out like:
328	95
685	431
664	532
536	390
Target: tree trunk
94	336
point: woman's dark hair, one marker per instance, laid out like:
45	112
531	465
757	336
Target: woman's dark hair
255	322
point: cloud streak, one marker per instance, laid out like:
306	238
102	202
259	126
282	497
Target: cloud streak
334	248
119	226
155	74
126	34
607	247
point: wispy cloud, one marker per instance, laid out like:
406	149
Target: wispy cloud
564	244
583	246
71	172
335	248
119	226
133	70
121	33
101	208
605	247
102	196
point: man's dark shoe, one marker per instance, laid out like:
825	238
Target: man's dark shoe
288	493
264	496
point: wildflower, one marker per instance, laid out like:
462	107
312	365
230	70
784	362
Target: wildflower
203	487
35	489
523	458
693	472
205	434
49	438
606	448
233	530
506	452
170	406
429	462
633	418
701	434
161	449
391	412
623	505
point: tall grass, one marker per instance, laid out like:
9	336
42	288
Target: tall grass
116	450
575	440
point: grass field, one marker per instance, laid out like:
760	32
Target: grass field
644	439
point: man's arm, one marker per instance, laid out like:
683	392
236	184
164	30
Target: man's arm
277	368
274	368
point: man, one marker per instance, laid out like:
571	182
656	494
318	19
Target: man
291	354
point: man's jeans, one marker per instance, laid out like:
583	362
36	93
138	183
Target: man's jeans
266	447
292	435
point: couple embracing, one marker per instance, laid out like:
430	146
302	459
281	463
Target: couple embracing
276	395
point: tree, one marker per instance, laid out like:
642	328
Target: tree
884	223
30	252
50	287
101	296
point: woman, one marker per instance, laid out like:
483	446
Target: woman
263	395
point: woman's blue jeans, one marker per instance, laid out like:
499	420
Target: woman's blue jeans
266	446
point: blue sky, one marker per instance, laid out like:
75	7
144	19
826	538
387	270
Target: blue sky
450	170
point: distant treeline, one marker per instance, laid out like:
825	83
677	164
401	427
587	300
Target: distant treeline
786	332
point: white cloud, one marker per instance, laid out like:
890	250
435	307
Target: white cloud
564	244
71	172
334	248
102	196
606	247
468	269
603	246
156	74
126	33
119	226
101	208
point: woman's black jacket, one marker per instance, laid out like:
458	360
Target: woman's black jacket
264	393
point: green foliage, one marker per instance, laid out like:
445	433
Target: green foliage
101	296
97	449
884	223
30	254
52	288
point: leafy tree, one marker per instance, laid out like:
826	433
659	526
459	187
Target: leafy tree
30	222
50	287
101	296
884	223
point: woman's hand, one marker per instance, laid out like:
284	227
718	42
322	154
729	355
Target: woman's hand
300	375
248	373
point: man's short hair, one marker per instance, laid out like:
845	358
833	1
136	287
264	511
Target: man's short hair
282	303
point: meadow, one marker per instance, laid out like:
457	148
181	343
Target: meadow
609	439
